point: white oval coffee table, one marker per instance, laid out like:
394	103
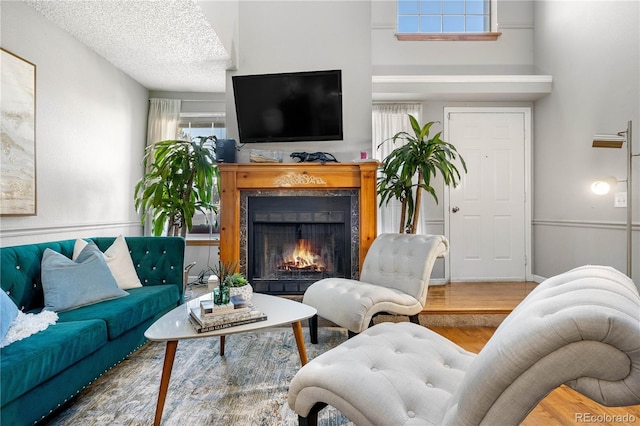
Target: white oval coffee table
175	325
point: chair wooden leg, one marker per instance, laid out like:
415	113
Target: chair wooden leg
312	417
308	421
313	329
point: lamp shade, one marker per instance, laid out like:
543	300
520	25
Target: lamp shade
608	141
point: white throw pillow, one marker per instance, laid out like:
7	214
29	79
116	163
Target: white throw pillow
118	260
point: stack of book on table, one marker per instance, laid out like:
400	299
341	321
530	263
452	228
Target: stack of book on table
210	317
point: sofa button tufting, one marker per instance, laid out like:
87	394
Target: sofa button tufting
17	266
446	366
411	414
429	385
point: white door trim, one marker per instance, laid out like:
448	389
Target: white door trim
528	208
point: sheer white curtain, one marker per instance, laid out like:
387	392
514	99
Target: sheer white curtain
387	120
163	120
163	125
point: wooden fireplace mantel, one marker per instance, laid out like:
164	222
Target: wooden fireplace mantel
235	178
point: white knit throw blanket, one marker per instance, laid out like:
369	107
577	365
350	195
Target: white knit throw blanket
24	325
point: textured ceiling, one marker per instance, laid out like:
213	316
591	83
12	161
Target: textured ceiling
165	45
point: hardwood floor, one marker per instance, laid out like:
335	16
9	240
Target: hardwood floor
563	406
476	297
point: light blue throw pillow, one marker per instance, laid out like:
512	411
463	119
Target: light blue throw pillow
69	284
8	312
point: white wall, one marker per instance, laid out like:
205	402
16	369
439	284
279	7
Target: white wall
592	49
90	135
512	53
288	36
223	16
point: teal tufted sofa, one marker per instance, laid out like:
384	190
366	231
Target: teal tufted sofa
41	372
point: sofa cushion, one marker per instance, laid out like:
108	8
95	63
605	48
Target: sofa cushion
26	363
69	284
8	312
125	313
118	260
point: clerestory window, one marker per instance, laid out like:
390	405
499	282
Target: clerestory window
445	20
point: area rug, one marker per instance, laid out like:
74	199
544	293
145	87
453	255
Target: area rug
247	386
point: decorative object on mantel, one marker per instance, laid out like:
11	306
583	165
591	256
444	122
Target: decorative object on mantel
292	179
265	156
323	157
17	159
417	156
179	181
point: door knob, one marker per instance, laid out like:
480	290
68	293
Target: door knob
455	209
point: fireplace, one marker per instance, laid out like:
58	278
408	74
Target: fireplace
295	240
290	224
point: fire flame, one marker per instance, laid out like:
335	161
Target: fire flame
303	257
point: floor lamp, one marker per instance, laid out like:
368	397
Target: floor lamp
602	186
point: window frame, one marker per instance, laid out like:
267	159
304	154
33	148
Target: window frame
490	35
212	120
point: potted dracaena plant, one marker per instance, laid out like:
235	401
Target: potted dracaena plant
408	170
180	179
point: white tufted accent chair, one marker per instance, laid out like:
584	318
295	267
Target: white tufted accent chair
580	328
394	279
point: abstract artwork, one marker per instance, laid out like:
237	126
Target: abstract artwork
17	136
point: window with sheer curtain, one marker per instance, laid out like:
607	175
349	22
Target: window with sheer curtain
387	120
164	115
162	125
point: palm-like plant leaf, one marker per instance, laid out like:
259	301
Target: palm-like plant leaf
408	170
178	181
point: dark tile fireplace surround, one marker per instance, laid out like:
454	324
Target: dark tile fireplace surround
290	239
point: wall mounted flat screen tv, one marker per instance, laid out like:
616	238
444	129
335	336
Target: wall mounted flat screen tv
288	107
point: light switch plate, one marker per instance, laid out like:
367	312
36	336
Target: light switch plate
620	199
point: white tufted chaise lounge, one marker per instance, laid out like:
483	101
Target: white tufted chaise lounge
580	328
394	279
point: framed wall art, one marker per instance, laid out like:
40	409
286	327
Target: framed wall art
18	120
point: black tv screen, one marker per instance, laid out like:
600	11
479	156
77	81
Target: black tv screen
287	107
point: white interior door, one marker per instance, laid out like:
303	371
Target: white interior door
487	231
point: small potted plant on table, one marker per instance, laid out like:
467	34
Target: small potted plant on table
232	284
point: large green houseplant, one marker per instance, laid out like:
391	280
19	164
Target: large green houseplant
408	170
179	180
